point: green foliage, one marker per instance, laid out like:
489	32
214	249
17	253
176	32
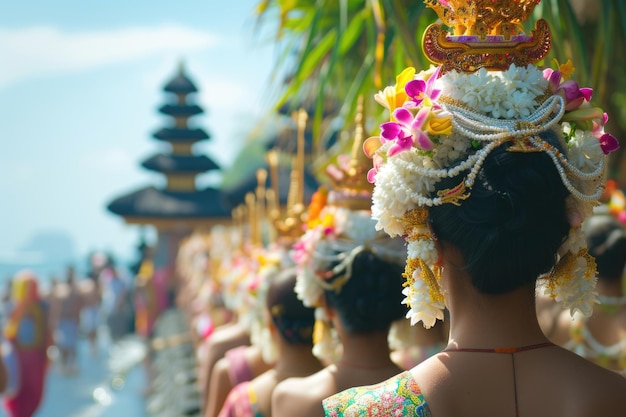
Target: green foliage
336	50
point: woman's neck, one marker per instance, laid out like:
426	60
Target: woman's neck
366	351
493	321
296	360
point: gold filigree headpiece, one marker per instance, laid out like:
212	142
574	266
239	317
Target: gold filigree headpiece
485	34
349	179
289	226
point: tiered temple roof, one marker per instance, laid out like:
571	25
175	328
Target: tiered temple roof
180	199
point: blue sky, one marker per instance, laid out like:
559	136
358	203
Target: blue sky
80	82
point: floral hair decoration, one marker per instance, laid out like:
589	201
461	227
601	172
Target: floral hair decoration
339	227
438	119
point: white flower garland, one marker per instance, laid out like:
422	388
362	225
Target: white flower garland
319	246
422	308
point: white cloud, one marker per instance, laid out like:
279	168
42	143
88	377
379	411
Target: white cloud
108	160
36	51
223	93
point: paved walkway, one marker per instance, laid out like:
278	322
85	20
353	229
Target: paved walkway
99	389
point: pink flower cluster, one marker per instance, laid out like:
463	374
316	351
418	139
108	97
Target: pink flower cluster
590	118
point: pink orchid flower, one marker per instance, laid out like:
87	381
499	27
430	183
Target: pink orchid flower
423	92
254	284
371	174
608	142
300	252
598	128
370	146
573	94
407	131
337	171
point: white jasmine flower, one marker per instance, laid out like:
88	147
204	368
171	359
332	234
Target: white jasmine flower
307	287
584	151
417	297
423	249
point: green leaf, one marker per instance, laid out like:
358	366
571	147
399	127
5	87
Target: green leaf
353	32
315	55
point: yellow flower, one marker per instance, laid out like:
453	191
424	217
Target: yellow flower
393	97
328	220
439	125
566	69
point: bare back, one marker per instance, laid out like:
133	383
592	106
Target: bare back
545	382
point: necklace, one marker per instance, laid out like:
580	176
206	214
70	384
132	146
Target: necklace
510	350
610	305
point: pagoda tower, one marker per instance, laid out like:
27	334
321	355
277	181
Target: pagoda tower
179	208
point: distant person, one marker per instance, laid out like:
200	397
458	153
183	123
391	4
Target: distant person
65	310
28	335
146	297
7	300
114	299
90	313
4	373
47	296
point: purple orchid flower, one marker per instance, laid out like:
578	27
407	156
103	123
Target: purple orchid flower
573	94
608	143
553	77
407	131
420	91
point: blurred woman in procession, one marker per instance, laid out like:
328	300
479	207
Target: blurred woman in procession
28	335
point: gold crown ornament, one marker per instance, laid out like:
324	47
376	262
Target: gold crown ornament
290	226
349	177
485	34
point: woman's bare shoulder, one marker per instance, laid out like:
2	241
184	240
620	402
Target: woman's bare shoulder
302	396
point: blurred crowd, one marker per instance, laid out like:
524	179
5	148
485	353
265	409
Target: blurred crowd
43	323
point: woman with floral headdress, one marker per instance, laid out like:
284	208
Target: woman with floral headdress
28	335
291	328
488	176
352	274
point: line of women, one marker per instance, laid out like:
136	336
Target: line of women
486	178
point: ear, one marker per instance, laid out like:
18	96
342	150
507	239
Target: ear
439	261
330	312
269	321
